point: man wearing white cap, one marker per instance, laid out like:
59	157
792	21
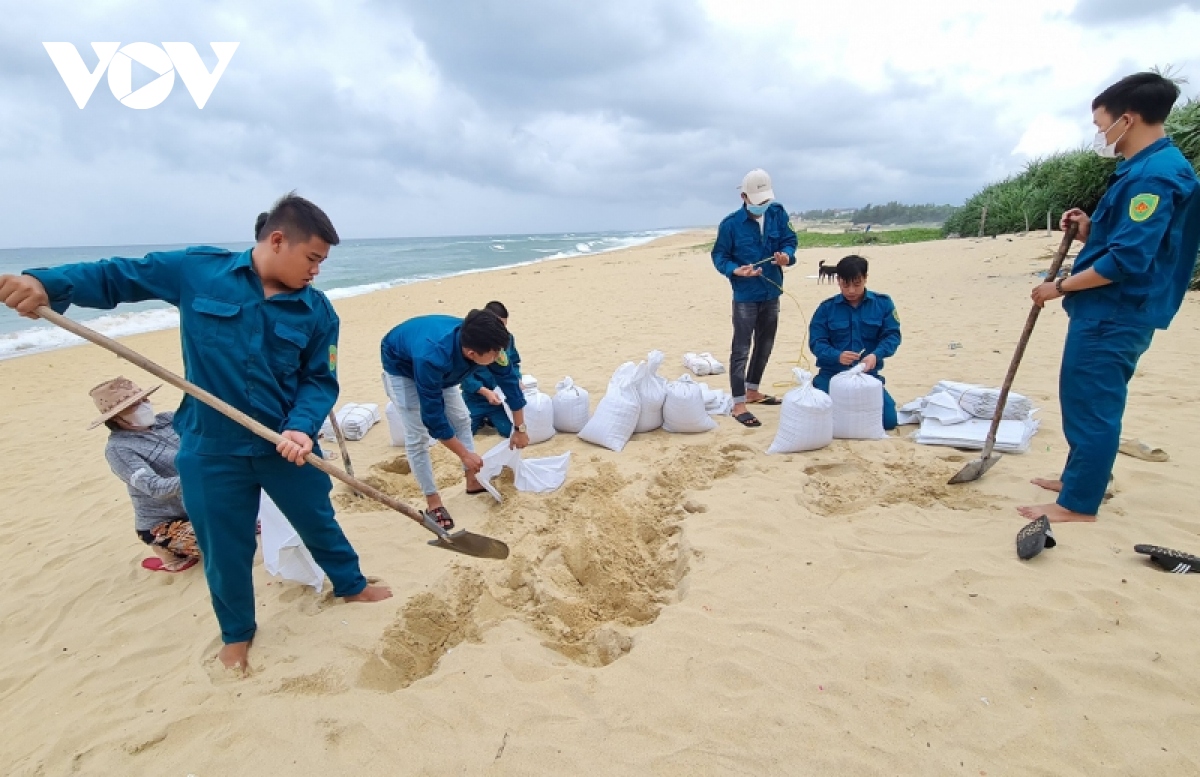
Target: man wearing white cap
754	244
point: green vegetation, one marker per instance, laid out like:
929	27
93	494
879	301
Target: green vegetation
883	237
897	213
1072	179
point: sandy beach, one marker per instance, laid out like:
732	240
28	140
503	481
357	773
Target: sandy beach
689	606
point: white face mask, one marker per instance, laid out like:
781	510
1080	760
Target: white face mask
1101	145
142	416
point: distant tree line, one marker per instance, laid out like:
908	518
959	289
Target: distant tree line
891	213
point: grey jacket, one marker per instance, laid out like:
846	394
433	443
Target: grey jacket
145	461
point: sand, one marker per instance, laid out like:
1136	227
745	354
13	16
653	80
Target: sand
690	606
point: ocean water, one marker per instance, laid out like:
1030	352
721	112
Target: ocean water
353	268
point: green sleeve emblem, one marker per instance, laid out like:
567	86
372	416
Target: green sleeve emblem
896	315
1142	206
502	358
333	358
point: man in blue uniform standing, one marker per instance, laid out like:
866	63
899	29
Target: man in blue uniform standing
1139	251
754	244
256	334
856	325
424	361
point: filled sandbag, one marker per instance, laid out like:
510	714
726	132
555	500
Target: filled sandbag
684	411
617	414
806	418
539	412
355	421
857	405
652	393
572	407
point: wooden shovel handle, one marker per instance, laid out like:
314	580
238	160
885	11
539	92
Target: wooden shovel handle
225	409
1014	365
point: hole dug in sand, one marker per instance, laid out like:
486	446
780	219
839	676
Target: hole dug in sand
597	559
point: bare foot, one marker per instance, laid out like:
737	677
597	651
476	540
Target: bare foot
473	483
372	593
1049	485
739	408
236	656
1055	513
433	501
754	396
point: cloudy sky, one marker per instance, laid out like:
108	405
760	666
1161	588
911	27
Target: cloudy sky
414	117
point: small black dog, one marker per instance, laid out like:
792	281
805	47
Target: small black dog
824	272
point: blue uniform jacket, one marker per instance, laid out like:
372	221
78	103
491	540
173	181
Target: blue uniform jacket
274	359
740	242
1144	237
428	350
483	377
837	326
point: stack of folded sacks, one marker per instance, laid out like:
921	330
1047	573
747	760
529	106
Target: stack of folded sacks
960	414
702	364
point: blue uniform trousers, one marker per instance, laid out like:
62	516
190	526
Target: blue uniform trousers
821	381
494	414
1098	360
221	495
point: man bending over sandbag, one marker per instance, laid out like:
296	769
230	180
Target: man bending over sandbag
856	325
424	361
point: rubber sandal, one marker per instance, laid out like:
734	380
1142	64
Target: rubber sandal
767	400
156	564
747	419
1035	537
1141	450
441	516
477	491
1170	560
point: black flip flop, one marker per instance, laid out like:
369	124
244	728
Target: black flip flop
747	419
1034	537
1170	560
767	400
477	491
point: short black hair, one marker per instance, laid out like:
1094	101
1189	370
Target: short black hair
484	332
1149	95
259	223
497	308
851	268
298	219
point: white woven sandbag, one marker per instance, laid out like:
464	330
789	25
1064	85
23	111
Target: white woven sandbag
395	425
539	413
684	411
652	393
806	418
617	414
572	407
857	405
355	421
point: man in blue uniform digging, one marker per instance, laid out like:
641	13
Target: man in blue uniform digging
257	335
1139	251
856	325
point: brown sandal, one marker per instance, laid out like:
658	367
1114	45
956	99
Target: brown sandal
442	517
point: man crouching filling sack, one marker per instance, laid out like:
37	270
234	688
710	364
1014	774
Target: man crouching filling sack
256	334
1138	255
857	325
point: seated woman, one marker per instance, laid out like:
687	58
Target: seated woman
141	452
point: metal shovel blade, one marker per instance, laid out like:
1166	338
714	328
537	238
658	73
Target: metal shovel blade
470	544
975	469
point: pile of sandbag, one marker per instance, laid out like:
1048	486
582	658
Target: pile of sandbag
684	410
960	414
806	418
703	364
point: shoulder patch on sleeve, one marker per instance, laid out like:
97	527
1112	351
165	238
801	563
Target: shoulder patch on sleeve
502	358
333	358
1143	206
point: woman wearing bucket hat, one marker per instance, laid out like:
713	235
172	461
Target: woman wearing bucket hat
141	451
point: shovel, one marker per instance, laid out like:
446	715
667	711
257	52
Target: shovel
464	542
976	468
